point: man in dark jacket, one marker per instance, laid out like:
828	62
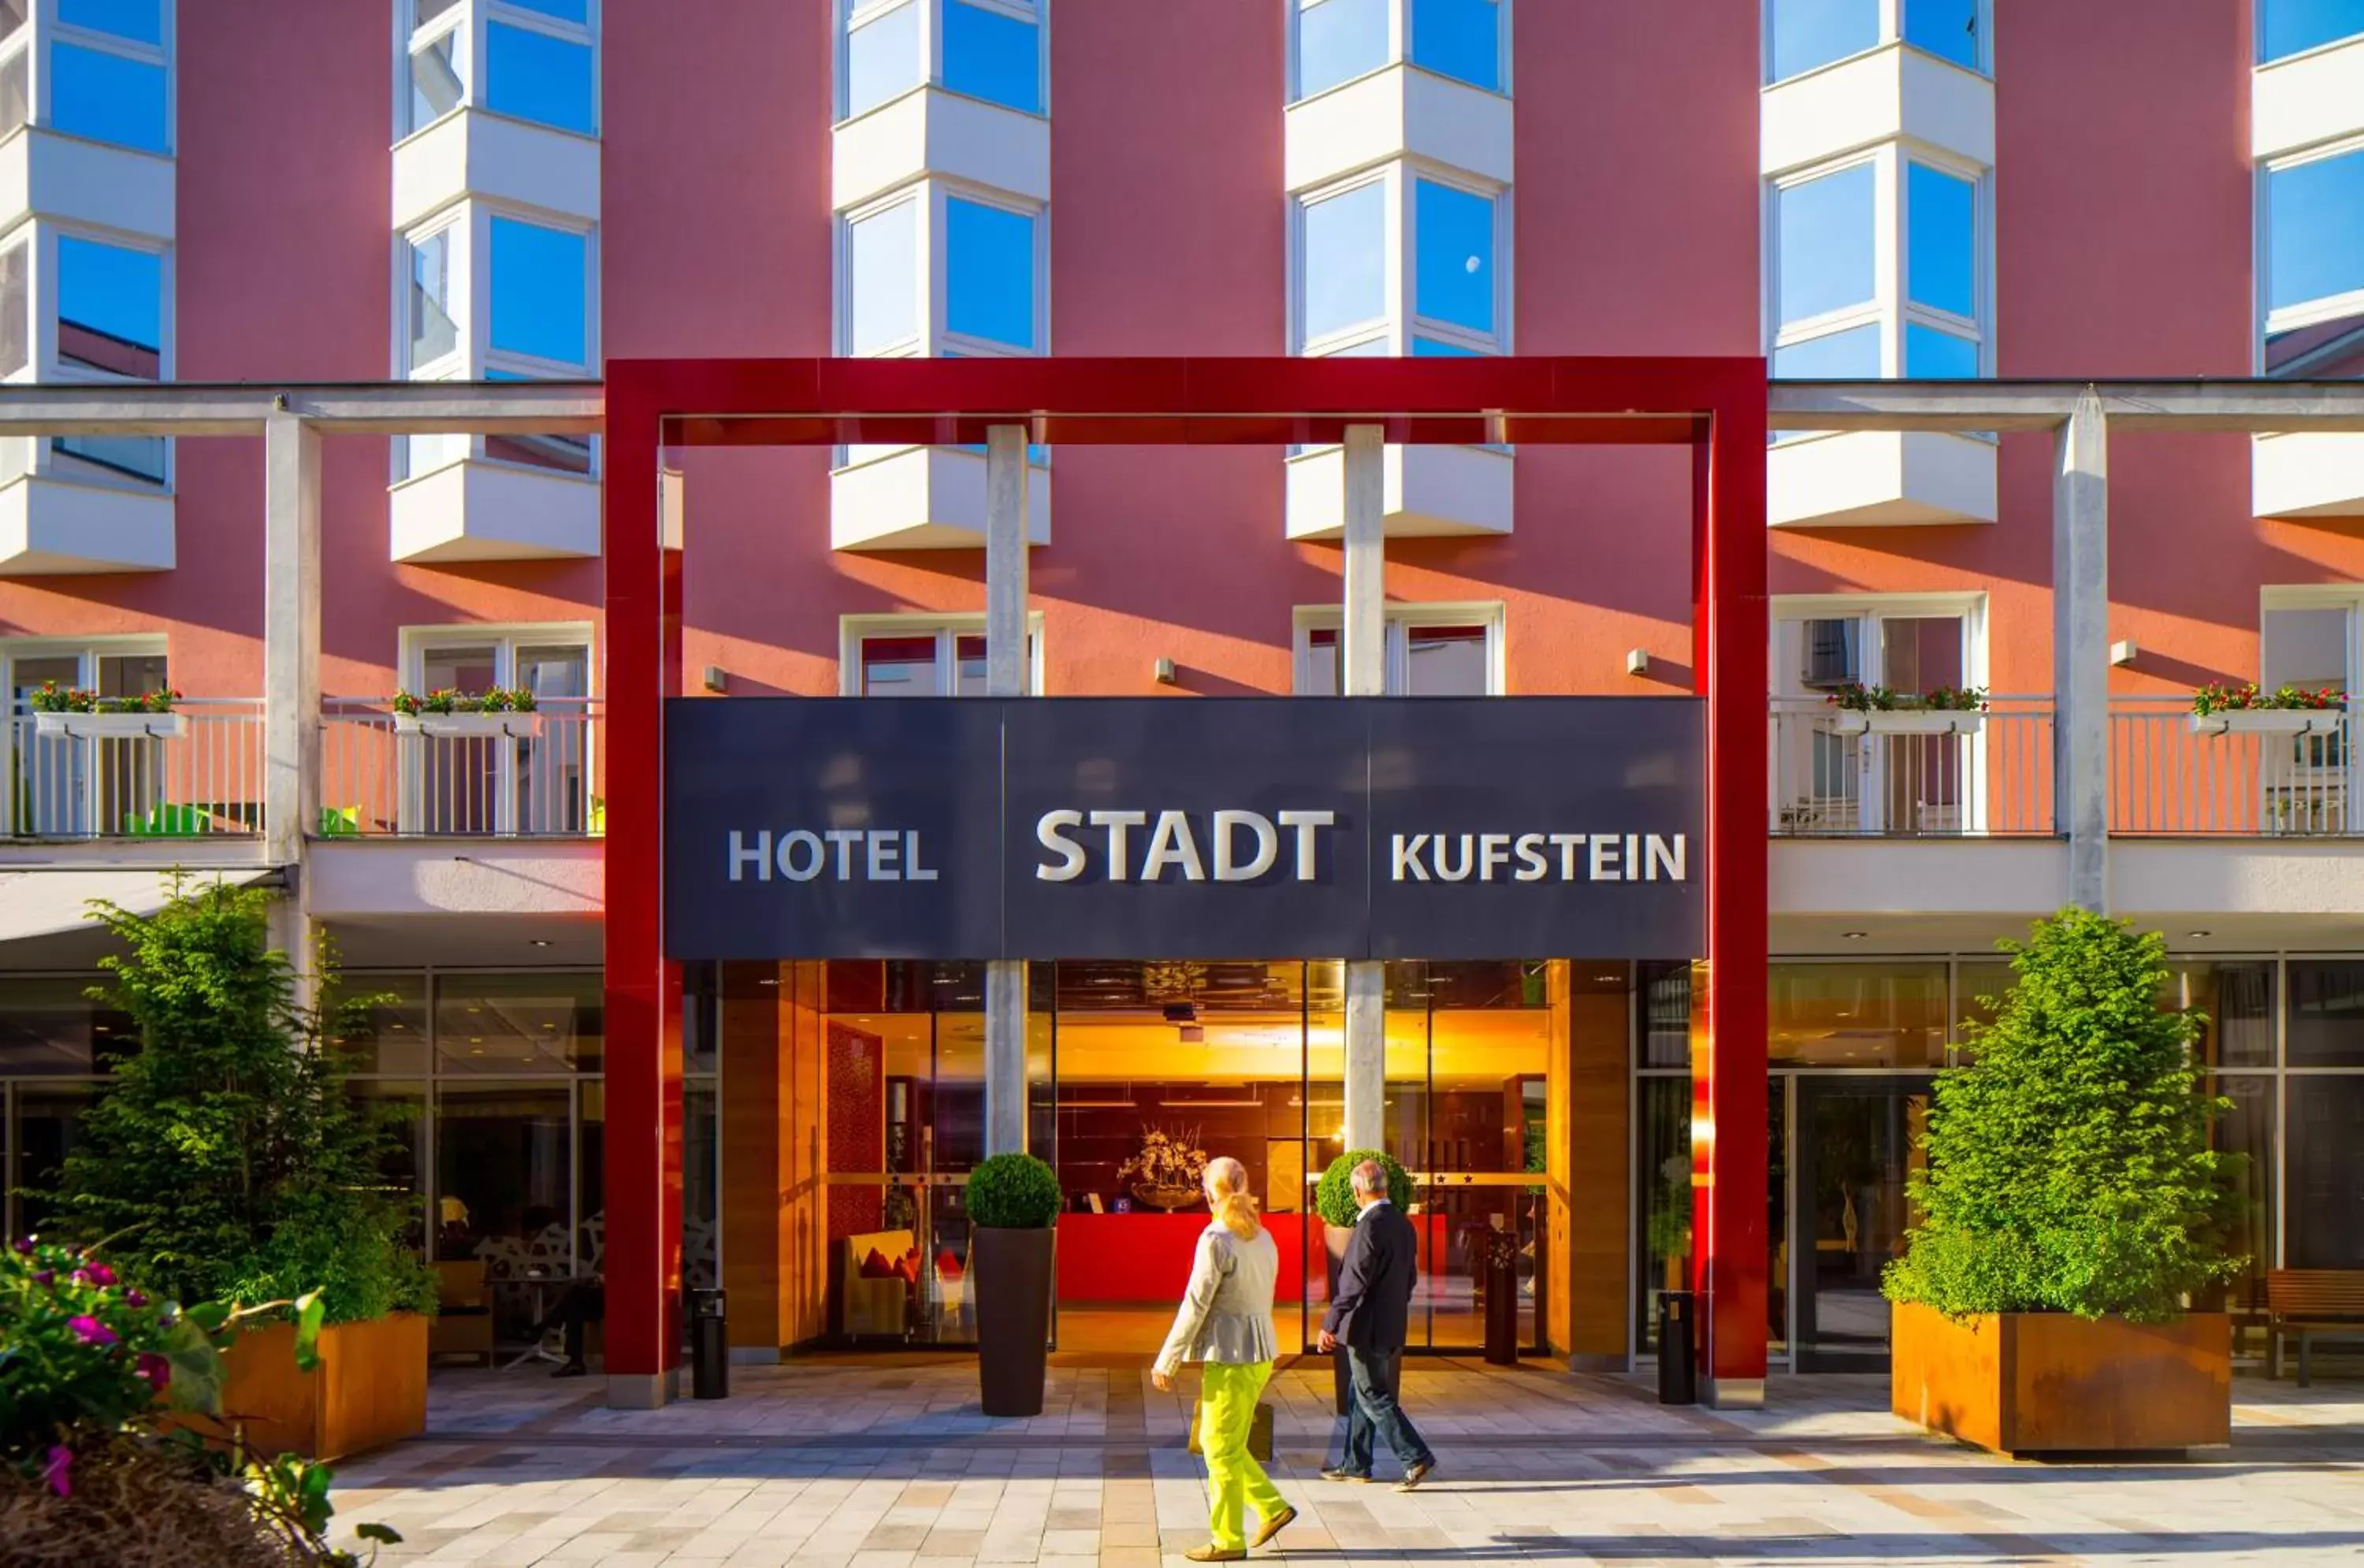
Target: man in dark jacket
1370	1315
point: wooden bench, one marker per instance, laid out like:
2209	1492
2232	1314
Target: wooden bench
2308	1302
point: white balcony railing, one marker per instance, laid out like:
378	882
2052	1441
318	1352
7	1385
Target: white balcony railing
1991	774
199	775
2172	778
537	780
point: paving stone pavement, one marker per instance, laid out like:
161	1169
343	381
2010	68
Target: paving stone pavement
871	1464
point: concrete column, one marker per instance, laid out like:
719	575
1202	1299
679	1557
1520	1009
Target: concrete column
1007	675
1362	673
2081	649
291	668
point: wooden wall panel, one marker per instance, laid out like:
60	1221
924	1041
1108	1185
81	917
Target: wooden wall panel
755	1127
1600	1175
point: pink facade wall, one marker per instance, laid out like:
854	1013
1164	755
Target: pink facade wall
2122	248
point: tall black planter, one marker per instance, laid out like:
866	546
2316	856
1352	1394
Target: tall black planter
1334	1239
1012	1270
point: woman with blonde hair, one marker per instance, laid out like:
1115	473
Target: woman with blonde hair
1225	1322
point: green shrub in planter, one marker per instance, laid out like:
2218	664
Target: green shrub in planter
1333	1195
1014	1192
2068	1165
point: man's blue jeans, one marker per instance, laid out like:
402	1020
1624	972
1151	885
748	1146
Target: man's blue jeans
1374	1411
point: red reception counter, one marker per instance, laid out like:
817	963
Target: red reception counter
1145	1257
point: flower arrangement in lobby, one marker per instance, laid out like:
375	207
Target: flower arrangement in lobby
1856	697
1167	1171
2242	699
445	700
51	697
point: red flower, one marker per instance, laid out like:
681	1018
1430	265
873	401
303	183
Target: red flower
155	1370
59	1471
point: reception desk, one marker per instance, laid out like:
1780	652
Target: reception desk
1145	1257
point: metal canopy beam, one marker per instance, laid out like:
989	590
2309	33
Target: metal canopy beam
2259	407
382	409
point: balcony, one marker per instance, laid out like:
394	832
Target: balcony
529	775
198	774
2170	778
1880	479
924	498
544	508
1989	776
1399	112
1426	492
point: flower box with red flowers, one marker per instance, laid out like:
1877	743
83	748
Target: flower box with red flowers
1877	710
467	716
2287	711
61	710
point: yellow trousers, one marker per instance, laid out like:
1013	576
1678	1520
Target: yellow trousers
1235	1482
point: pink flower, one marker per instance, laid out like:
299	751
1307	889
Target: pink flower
59	1471
91	1331
155	1370
135	1298
100	1275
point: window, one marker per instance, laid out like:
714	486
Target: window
989	50
1338	40
1828	781
1432	651
2313	226
16	67
2305	643
1451	236
943	270
537	783
1806	34
110	326
896	656
1879	269
539	293
433	332
531	59
2292	27
16	310
66	787
109	71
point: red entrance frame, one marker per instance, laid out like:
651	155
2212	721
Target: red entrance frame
1715	407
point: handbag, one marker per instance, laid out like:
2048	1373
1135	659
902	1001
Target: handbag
1259	1431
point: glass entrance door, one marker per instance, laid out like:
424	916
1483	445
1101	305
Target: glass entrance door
1856	1147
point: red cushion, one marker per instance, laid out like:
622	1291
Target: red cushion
907	1268
947	1266
875	1266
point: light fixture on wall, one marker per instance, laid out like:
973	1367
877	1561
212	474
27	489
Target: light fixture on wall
2123	651
1637	662
717	678
1164	673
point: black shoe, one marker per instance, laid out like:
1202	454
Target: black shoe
1414	1474
573	1369
1339	1472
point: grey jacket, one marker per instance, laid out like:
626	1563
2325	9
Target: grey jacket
1226	1314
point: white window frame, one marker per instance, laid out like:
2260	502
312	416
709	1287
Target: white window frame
932	336
1305	619
1892	36
2261	62
42	277
853	14
18	45
2314	312
470	19
1399	325
2347	597
1868	611
1400	29
1890	307
947	629
414	642
43	26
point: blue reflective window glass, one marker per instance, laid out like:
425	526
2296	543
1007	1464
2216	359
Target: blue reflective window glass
107	99
540	78
1851	355
1460	38
992	56
565	10
1825	243
1942	249
1430	348
881	58
2315	232
2293	27
110	309
1946	29
1368	349
1811	33
988	272
539	292
141	21
1454	281
1338	40
1932	355
882	279
1345	259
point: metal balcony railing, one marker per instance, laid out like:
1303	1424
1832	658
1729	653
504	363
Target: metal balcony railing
2230	775
516	775
1917	775
194	772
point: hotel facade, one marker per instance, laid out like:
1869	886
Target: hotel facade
2052	304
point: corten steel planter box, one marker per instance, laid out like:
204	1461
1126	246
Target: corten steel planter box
2033	1382
1011	1271
369	1390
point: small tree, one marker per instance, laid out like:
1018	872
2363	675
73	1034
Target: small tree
2068	1166
225	1158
